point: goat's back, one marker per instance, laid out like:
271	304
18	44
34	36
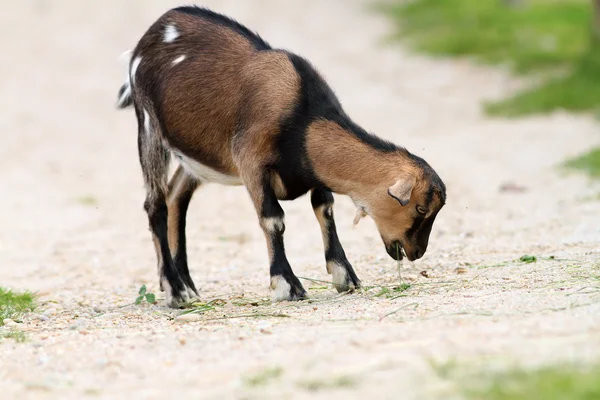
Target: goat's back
202	74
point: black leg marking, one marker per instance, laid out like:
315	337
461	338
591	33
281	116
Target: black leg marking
171	281
344	277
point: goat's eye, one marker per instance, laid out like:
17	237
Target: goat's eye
421	210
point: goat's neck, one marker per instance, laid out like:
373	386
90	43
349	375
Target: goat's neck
350	166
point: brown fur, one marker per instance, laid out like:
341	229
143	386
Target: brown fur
222	74
348	166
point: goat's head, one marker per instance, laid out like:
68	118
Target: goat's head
404	209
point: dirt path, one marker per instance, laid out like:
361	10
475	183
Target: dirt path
73	228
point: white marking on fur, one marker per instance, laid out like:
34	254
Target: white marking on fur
273	224
134	67
339	276
281	288
178	59
171	33
164	283
147	123
204	173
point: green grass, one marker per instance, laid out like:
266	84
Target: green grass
549	383
577	91
589	162
315	385
393	292
16	335
540	36
264	376
88	201
14	305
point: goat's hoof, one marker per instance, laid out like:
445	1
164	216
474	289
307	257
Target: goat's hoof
344	278
175	297
285	291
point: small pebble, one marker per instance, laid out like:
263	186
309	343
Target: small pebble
50	311
188	318
182	341
10	323
42	317
98	309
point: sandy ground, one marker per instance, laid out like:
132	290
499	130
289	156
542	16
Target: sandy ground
73	228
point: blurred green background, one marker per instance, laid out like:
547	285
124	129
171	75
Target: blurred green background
557	42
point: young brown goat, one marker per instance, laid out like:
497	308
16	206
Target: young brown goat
235	111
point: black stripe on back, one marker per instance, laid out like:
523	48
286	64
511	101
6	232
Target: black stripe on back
320	102
225	21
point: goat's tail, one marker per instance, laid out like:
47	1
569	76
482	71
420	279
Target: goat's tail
124	97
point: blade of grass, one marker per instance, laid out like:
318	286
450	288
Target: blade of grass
399	309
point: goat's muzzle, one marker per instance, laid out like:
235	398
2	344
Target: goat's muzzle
395	250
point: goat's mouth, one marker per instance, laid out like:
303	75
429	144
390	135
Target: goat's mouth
395	250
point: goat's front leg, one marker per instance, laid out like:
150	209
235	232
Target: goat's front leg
285	284
344	277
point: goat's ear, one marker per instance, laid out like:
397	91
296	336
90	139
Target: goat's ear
402	189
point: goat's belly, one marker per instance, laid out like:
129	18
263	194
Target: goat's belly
204	173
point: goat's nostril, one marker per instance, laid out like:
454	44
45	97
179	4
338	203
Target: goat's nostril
418	254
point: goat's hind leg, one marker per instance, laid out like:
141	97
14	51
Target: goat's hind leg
181	189
344	277
154	160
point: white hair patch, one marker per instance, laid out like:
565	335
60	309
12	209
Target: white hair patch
281	288
273	224
171	33
204	173
146	122
178	59
340	276
134	67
